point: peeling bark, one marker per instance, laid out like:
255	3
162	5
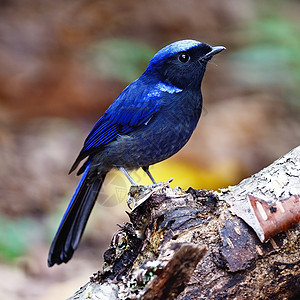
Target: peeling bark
160	254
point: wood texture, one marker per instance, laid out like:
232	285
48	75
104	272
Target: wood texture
160	253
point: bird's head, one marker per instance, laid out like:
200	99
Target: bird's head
182	63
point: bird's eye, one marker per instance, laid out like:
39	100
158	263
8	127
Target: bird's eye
183	57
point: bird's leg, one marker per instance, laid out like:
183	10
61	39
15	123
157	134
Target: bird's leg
138	194
123	170
146	169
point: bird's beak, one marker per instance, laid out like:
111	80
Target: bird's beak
214	51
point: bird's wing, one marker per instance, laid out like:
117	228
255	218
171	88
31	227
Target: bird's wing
133	108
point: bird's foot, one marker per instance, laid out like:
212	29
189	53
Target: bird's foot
138	194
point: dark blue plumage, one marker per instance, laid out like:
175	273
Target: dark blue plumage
151	120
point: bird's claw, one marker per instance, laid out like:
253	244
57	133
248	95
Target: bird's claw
138	194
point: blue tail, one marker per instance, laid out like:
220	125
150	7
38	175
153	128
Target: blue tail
75	218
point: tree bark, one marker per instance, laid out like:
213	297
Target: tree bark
240	243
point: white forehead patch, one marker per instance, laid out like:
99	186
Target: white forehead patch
179	46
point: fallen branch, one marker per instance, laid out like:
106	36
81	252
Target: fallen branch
156	255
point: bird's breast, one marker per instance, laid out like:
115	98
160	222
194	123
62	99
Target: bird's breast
159	138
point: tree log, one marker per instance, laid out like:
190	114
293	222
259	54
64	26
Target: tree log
240	243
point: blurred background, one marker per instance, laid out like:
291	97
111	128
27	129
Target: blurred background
64	62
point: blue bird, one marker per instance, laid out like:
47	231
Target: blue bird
148	122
